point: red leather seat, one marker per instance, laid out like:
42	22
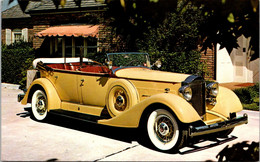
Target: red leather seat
95	69
56	66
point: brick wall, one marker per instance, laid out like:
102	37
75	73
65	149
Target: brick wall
209	60
3	36
37	41
109	42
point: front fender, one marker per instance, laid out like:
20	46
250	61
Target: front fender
131	118
53	98
227	102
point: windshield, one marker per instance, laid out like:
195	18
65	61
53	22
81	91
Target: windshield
121	60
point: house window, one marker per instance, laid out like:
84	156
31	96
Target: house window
92	46
16	35
71	46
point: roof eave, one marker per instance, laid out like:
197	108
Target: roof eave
68	10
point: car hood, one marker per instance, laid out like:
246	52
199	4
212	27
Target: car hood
148	74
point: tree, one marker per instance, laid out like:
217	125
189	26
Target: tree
175	41
228	20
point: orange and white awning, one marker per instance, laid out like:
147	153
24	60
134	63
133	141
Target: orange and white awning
76	31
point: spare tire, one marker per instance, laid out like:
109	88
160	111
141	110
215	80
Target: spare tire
121	96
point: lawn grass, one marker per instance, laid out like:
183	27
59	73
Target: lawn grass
252	106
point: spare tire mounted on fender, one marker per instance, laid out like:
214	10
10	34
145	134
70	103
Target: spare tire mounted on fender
121	96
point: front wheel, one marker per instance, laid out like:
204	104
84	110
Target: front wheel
163	130
39	105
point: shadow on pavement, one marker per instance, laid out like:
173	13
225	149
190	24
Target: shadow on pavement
25	114
213	143
122	134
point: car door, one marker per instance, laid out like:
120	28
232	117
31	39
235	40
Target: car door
93	89
67	86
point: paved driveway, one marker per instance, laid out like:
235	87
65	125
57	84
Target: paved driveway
64	139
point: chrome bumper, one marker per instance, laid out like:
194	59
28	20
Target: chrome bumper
207	129
20	97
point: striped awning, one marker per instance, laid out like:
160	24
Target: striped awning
76	31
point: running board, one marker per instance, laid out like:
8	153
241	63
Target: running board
76	115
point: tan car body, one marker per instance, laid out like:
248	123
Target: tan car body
88	93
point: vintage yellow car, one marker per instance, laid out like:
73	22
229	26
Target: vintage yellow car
170	108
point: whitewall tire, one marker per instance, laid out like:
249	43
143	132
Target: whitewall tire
39	105
163	130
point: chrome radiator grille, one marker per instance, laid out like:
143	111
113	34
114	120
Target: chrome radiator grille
197	85
198	96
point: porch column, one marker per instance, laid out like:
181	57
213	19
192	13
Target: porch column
73	46
85	47
63	46
56	44
51	46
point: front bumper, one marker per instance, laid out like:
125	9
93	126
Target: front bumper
212	128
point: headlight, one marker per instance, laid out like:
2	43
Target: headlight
186	92
213	89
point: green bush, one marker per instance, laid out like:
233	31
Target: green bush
244	95
249	97
175	42
16	60
248	94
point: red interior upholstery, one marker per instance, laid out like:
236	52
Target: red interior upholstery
95	69
114	67
56	66
67	66
76	66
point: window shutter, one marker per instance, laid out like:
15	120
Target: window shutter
25	34
8	36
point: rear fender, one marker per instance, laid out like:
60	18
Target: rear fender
131	118
54	101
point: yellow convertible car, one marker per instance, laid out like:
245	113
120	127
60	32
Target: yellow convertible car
170	108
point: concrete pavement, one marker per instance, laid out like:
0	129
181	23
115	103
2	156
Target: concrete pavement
63	139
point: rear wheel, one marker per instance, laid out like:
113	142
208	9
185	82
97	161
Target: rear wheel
39	105
163	130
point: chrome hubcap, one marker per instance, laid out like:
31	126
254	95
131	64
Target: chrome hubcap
164	128
120	100
40	105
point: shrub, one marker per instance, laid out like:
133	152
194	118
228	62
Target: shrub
16	60
249	94
244	95
175	42
249	97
